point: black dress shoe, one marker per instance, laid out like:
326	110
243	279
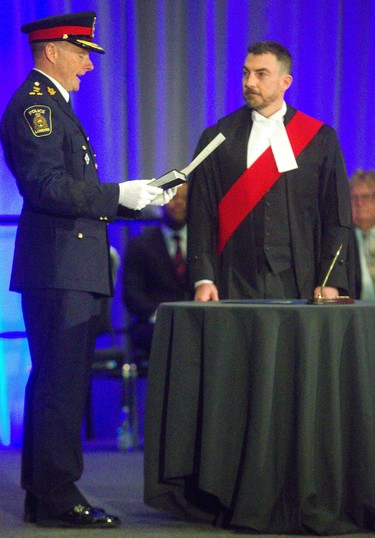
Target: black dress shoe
34	512
82	517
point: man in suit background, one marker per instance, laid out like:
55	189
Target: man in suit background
269	209
362	194
152	274
61	262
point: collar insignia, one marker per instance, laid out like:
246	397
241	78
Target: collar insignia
51	91
36	89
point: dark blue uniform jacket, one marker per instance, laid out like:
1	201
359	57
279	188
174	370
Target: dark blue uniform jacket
62	237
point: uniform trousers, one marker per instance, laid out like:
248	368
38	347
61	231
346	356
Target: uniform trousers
61	330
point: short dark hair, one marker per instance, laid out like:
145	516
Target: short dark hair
271	47
361	177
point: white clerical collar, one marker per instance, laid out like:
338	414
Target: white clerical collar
276	116
271	132
61	89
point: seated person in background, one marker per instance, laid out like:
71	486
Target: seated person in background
362	192
154	272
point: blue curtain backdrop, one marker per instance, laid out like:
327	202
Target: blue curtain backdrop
171	68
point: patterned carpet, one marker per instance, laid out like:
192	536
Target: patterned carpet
112	479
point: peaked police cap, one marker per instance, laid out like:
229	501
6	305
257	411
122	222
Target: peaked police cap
76	28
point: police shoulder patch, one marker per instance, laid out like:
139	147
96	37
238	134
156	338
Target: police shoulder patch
39	119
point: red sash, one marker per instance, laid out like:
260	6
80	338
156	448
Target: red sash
246	192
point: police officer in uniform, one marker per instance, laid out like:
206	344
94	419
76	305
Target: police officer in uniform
61	262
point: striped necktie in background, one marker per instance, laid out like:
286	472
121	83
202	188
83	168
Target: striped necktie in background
178	259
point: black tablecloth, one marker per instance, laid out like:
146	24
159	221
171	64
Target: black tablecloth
262	415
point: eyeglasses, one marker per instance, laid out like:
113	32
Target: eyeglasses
363	197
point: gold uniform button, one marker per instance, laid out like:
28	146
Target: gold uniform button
84	147
80	235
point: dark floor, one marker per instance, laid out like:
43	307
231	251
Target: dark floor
113	479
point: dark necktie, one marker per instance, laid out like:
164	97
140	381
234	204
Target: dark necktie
178	259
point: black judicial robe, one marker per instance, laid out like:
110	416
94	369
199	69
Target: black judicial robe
319	212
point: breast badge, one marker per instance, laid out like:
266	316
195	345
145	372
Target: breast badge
39	119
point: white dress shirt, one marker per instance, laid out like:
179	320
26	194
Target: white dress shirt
168	234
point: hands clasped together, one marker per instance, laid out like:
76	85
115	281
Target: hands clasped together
136	194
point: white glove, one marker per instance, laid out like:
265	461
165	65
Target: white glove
164	197
136	194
